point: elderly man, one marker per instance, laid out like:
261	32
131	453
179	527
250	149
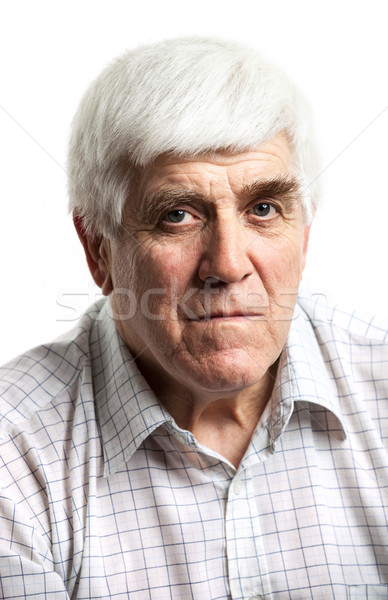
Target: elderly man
199	434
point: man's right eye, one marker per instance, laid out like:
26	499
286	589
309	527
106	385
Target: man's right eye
177	216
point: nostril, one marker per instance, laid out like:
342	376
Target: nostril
212	280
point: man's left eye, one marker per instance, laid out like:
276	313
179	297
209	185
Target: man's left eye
264	209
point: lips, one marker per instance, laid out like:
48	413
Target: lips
197	307
229	315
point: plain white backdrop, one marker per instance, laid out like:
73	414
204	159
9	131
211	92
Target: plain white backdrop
336	51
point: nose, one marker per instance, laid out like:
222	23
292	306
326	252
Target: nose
226	255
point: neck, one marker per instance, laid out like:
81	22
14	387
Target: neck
223	421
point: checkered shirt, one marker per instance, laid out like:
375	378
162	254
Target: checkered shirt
104	497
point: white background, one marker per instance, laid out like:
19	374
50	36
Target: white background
336	51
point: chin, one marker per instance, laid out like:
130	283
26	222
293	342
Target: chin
230	370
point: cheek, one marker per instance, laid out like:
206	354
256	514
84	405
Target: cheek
160	277
169	265
280	265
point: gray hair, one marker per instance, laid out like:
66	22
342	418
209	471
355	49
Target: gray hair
183	96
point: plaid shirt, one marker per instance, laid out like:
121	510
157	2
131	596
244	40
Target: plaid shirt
104	496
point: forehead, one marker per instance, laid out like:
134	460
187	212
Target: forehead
219	169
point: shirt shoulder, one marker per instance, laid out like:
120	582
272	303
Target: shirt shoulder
353	351
354	348
337	319
31	382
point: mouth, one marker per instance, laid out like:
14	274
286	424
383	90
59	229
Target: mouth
233	316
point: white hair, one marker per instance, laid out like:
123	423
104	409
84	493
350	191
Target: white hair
183	96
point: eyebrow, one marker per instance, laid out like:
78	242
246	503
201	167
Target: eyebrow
284	189
160	201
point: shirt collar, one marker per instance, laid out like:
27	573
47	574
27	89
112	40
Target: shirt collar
128	411
303	379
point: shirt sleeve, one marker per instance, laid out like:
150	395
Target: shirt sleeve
27	570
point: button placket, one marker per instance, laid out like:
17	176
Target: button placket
248	572
237	487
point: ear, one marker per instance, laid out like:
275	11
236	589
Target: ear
306	236
98	256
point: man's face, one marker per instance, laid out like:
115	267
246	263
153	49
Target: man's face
206	274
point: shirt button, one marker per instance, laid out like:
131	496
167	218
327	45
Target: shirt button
237	487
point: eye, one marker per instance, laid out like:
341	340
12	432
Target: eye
264	209
177	216
178	219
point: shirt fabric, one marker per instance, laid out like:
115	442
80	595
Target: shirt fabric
103	496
